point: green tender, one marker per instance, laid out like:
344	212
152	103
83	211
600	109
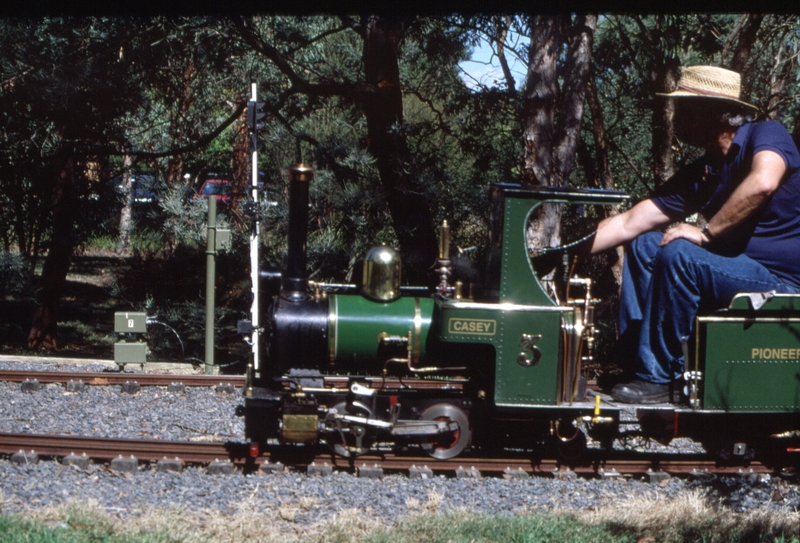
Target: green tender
752	361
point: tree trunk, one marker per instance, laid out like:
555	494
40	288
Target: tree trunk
538	128
745	34
604	168
383	109
241	166
663	39
174	170
44	329
20	228
576	78
784	66
501	26
663	78
177	128
548	155
606	180
541	92
124	239
552	117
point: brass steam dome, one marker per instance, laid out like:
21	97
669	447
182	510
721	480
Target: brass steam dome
381	277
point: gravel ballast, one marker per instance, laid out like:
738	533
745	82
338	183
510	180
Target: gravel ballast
104	411
203	414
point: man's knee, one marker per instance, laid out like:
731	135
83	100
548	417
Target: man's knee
676	254
645	246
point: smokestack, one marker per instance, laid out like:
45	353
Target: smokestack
295	280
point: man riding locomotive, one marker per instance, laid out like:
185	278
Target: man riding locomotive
747	186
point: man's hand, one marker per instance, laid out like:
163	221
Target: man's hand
765	177
687	232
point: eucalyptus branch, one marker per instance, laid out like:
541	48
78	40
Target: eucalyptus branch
428	102
319	37
196	144
354	25
734	33
298	84
269	51
275	112
502	30
646	33
626	43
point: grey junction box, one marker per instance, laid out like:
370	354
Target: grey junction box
130	353
222	239
129	322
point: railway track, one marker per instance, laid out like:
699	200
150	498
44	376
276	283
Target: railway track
204	452
119	378
193	380
617	463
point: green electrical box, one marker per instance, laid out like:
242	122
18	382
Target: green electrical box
130	353
130	322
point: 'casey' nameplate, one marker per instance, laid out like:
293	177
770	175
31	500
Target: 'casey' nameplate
486	327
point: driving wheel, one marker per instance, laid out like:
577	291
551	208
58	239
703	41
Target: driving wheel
450	444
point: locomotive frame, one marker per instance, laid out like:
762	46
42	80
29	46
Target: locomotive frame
385	367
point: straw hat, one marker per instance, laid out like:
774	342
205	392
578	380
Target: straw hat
709	82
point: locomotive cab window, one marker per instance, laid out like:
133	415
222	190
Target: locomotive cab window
555	234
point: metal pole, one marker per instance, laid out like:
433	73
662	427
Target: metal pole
254	241
211	276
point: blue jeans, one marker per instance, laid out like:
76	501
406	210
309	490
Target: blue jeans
664	289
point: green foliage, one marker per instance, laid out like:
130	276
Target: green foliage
75	525
95	88
14	274
73	530
185	219
627	50
484	528
172	79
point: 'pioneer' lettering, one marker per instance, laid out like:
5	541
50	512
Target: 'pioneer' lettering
485	327
768	353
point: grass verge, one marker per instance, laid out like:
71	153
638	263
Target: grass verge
689	518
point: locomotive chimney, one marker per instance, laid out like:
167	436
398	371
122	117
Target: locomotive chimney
295	281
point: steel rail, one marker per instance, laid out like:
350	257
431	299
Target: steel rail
120	378
105	449
194	380
599	465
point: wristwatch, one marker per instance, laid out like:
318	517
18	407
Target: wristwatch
707	232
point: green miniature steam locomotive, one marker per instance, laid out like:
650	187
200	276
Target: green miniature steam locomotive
498	366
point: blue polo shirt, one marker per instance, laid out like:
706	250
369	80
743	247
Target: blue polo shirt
772	234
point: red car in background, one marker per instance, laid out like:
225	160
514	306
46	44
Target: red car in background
219	189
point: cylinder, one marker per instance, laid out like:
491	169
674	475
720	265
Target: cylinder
295	279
